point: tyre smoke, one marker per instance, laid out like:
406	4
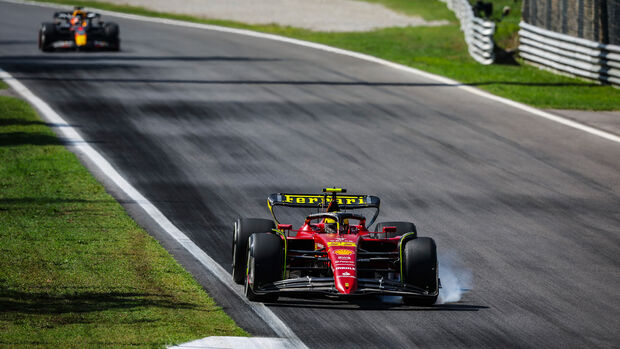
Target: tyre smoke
455	278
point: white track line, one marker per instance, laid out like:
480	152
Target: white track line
534	111
81	146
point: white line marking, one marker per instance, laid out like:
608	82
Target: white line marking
540	113
81	146
232	342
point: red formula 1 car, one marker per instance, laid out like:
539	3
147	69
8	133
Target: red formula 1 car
333	253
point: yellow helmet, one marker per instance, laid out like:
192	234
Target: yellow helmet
331	226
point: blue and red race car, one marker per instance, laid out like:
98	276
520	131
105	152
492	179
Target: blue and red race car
333	252
78	30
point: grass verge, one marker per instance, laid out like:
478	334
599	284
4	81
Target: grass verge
439	50
75	269
427	9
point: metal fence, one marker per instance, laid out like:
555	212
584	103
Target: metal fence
478	32
594	20
575	56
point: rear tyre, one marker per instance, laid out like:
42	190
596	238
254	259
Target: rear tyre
420	269
401	228
47	34
244	227
264	266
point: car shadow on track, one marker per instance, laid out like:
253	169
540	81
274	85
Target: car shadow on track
116	57
368	304
109	65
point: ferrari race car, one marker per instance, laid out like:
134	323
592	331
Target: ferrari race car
333	253
78	30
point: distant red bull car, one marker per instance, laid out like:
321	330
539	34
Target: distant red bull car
79	30
332	252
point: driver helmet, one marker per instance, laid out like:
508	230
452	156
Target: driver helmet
331	225
79	11
77	16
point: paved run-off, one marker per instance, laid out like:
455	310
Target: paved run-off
318	15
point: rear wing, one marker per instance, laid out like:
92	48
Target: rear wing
68	15
322	200
62	15
319	201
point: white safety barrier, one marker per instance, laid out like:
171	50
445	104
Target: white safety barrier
478	32
568	54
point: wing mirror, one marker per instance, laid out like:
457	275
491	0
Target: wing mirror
285	226
389	230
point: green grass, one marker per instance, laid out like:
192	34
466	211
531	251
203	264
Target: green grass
506	27
439	50
427	9
75	269
443	51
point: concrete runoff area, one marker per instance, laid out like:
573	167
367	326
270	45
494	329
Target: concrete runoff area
317	15
207	131
608	121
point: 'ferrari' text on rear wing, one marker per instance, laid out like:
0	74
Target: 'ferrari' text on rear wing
319	200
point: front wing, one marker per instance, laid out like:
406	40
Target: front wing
91	44
325	286
95	40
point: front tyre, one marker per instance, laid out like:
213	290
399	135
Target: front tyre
420	269
244	228
111	32
264	265
47	34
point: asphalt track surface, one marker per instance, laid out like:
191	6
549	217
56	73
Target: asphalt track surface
206	124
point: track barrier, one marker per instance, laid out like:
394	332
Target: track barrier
568	54
478	32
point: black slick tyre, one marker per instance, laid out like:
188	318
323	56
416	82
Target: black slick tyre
420	269
111	34
47	34
401	228
264	265
111	30
244	227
